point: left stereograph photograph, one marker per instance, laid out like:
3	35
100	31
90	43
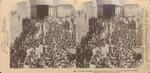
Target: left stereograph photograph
42	31
65	34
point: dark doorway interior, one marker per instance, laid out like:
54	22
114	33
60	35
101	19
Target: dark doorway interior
108	11
42	10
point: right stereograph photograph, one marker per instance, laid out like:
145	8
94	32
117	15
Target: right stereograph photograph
58	34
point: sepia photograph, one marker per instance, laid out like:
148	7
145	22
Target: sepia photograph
58	34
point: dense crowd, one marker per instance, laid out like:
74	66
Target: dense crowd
118	45
44	43
51	43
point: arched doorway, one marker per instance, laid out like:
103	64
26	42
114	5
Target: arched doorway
108	11
42	10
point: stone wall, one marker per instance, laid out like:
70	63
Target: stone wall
58	8
19	12
65	10
127	6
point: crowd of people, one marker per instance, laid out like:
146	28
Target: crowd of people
118	45
44	43
51	43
